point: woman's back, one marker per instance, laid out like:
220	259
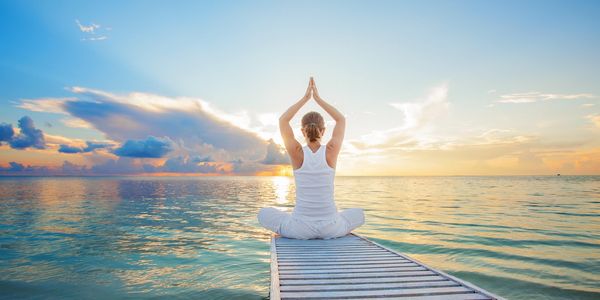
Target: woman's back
314	187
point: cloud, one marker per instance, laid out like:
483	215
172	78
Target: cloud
50	105
123	165
73	169
92	31
246	167
29	136
531	97
15	168
595	119
182	164
88	29
69	149
6	132
417	117
99	38
178	164
276	155
194	124
164	134
151	147
419	113
90	146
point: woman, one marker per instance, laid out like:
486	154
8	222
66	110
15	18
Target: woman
315	214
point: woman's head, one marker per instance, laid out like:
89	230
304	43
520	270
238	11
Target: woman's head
313	126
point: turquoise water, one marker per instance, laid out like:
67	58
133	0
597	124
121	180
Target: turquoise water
182	238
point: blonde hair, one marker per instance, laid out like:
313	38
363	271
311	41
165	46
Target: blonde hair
313	123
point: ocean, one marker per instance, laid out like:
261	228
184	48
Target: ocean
521	237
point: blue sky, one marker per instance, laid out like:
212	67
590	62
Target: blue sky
519	78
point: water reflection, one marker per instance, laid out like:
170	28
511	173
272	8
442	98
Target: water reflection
282	188
198	237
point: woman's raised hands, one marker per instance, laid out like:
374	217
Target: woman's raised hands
309	90
315	92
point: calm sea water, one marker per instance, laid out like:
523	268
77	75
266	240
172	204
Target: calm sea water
131	237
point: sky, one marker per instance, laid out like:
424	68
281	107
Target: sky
196	87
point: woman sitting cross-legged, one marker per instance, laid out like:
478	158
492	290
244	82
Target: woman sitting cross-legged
315	214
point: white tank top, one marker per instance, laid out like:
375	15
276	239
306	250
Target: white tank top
314	187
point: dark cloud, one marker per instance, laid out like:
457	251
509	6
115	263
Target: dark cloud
182	164
123	165
69	149
6	132
29	135
91	146
151	147
248	167
15	168
179	164
275	155
69	168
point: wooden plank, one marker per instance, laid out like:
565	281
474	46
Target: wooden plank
358	275
334	264
338	250
327	256
341	260
367	286
333	253
274	291
379	293
467	296
356	270
357	281
355	267
347	266
350	259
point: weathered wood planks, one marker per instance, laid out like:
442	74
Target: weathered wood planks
353	267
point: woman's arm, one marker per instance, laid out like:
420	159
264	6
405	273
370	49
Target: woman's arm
292	146
332	111
335	144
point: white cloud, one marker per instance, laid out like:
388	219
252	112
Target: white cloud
99	38
595	119
418	117
92	32
531	97
88	29
421	112
76	123
52	105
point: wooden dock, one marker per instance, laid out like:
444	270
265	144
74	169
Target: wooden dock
353	267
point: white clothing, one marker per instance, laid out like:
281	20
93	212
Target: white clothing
315	214
286	225
314	187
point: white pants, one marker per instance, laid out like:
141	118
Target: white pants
289	226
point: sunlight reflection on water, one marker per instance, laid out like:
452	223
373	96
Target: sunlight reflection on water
130	237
